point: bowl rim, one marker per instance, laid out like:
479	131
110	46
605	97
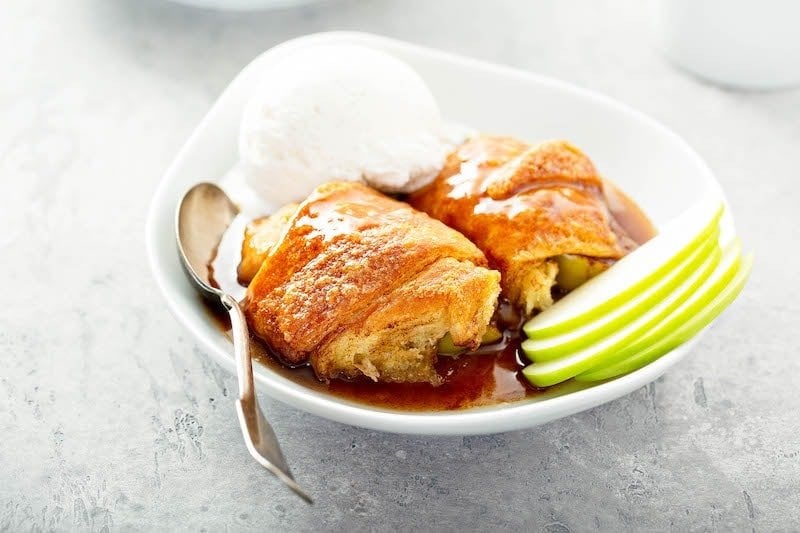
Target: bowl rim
480	420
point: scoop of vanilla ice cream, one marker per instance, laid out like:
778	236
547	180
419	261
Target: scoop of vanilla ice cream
341	112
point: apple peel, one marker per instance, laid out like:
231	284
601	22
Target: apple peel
661	343
553	347
632	274
555	371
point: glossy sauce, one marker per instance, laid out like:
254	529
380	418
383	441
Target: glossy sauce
507	196
628	215
331	217
488	376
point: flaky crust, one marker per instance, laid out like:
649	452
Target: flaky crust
260	236
397	340
363	284
522	206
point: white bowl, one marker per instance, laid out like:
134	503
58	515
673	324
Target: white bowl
657	168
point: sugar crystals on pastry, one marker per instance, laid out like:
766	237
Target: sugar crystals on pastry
359	284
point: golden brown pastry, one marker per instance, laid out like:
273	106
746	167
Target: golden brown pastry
527	207
260	236
361	284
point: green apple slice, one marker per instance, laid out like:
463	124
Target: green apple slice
718	280
632	274
601	352
553	347
694	315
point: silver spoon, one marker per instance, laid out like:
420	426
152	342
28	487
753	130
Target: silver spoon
205	212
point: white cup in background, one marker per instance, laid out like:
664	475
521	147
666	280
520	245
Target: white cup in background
747	44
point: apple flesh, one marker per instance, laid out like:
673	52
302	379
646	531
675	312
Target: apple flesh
553	347
446	345
608	349
694	315
631	275
575	270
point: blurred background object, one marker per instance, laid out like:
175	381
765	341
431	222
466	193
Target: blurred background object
245	5
743	44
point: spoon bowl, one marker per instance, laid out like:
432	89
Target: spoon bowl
203	215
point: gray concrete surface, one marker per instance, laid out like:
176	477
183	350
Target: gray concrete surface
112	419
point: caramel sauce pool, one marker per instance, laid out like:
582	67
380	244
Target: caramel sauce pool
488	376
491	375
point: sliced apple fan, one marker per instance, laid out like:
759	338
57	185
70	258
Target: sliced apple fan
651	301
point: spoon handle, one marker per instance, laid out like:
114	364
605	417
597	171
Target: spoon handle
241	348
258	434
